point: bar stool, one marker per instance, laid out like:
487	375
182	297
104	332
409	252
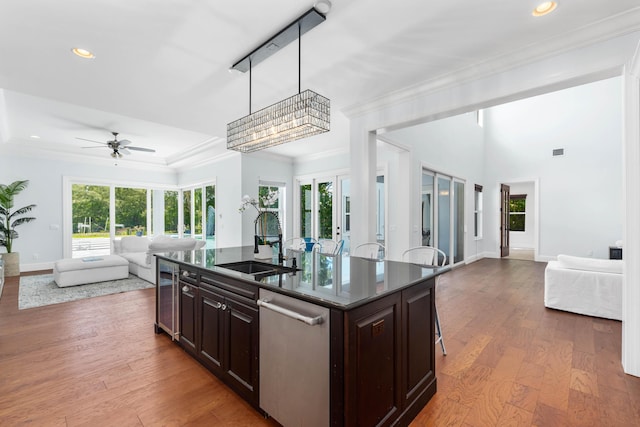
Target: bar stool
430	257
371	250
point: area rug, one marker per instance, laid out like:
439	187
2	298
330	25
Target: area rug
36	291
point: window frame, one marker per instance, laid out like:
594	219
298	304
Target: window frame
513	197
477	212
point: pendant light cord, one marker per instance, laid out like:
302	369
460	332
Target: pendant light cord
249	85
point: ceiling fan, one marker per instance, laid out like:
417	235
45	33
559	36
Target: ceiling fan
118	147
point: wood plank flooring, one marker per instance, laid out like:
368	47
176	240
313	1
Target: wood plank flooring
510	362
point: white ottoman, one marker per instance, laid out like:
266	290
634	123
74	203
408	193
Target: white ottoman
79	271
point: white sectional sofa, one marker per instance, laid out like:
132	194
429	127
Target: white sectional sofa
585	286
139	252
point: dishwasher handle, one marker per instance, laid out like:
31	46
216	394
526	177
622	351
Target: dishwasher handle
312	321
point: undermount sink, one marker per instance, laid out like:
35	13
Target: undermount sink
256	268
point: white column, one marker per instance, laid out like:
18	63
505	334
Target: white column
363	188
631	232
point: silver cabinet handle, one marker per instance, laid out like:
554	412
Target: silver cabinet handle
185	273
217	305
185	288
224	306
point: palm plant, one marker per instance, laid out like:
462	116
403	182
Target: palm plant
9	218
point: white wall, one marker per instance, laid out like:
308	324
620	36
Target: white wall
453	146
260	167
228	178
41	241
580	192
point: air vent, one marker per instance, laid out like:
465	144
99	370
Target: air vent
558	151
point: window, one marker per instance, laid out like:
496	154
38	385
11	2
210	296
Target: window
199	213
517	208
477	212
480	118
264	188
131	211
305	210
97	212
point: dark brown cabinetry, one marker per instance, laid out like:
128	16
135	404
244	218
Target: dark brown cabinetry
220	329
380	355
389	366
188	319
373	376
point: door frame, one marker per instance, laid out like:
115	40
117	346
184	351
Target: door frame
504	220
536	214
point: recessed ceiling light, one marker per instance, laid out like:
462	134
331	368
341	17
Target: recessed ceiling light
544	8
323	6
35	137
83	53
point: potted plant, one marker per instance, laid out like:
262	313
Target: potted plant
9	219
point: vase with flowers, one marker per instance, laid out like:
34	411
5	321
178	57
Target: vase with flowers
266	224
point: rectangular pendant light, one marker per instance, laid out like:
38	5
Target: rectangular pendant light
299	116
302	115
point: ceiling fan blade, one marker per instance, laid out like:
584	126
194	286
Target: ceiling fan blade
149	150
124	142
124	150
93	146
90	140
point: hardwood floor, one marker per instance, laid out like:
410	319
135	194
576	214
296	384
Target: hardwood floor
510	362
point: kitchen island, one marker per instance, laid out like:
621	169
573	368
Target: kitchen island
359	352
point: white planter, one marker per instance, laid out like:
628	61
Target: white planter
264	252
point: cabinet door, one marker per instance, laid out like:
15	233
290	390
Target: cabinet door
374	365
188	320
418	340
241	361
211	308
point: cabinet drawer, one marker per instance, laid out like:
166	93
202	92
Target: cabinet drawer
189	276
234	286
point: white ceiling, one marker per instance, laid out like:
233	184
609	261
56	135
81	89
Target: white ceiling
160	76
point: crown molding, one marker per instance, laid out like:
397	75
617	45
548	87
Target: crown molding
616	26
193	152
270	156
321	155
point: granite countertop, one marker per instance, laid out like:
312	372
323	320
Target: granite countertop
341	281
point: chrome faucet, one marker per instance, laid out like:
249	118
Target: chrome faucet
257	237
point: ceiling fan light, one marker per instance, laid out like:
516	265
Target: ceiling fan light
113	154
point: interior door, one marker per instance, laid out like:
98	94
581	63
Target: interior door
504	220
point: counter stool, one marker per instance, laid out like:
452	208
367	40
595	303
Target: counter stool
429	257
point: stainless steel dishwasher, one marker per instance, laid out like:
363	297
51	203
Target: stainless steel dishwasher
294	360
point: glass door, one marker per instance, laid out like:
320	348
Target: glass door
343	225
443	218
90	220
324	209
458	221
380	210
131	211
443	215
306	210
317	205
427	208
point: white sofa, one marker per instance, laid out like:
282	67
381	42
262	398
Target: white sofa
585	286
139	252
